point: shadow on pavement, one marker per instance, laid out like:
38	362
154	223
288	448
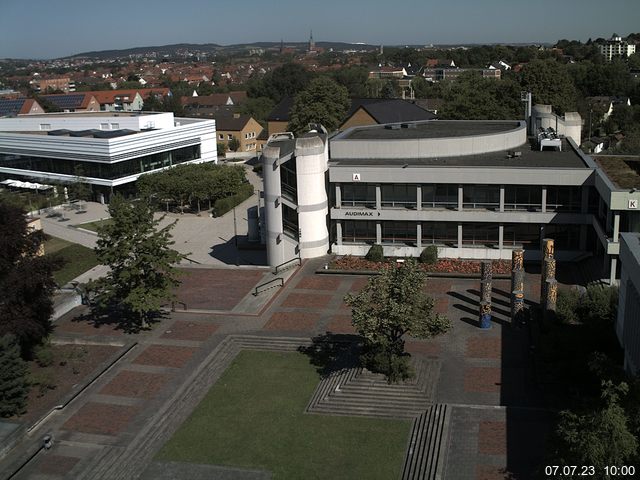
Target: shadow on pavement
236	251
330	352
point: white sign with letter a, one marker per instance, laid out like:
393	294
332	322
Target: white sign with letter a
355	177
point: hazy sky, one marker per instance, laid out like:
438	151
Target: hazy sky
49	29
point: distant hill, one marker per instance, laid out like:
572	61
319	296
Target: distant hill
209	48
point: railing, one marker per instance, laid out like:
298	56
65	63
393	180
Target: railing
399	204
264	286
286	265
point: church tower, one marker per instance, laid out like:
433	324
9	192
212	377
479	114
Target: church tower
312	43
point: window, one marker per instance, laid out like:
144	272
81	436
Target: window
290	221
400	195
440	196
523	197
525	235
356	231
564	199
229	136
45	126
115	126
104	126
289	180
221	136
440	233
481	196
358	195
399	232
483	234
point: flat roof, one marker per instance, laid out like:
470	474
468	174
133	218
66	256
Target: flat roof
530	157
623	171
104	113
430	129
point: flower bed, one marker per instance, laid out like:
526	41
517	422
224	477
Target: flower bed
444	265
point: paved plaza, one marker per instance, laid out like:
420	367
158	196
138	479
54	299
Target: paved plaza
115	427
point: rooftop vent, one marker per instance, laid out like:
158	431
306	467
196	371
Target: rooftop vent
408	125
393	126
514	154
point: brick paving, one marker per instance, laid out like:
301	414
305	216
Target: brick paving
292	321
165	356
185	330
492	438
128	383
56	464
482	379
482	440
304	300
216	289
101	418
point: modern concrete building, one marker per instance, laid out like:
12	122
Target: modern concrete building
110	149
475	189
628	322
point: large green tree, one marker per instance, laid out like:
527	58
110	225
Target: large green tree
391	305
26	280
323	101
599	437
550	83
141	261
14	387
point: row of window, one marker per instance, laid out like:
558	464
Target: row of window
516	197
108	171
473	234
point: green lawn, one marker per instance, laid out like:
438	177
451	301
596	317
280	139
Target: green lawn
78	258
253	418
93	226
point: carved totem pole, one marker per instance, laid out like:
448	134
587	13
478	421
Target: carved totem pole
486	275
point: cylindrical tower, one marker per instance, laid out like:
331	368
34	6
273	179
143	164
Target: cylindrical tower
273	205
311	166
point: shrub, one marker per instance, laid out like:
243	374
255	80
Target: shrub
567	306
14	387
375	253
429	255
224	205
44	381
43	354
601	304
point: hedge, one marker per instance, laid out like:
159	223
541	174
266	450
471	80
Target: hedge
224	205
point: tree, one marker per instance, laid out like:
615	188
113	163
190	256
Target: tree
258	108
323	101
234	144
14	386
599	437
391	305
354	79
142	275
389	89
550	84
26	281
80	189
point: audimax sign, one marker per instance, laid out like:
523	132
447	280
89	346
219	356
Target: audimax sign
360	213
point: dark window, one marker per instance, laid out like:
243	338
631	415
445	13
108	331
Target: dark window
354	231
440	196
289	180
480	234
523	235
358	195
566	237
563	199
481	196
289	221
399	232
440	233
523	197
98	169
400	195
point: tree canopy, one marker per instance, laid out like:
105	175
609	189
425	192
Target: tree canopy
550	83
14	387
391	305
141	261
323	101
26	281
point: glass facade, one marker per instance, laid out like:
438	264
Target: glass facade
108	171
523	197
399	232
440	233
480	234
481	196
399	195
440	196
290	221
566	237
563	199
289	180
359	195
358	231
525	235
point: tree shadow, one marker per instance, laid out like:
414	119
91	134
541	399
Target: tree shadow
118	318
237	251
331	352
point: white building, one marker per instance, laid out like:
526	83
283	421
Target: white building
616	47
110	149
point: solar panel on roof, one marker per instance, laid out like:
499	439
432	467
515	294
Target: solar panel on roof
66	101
11	107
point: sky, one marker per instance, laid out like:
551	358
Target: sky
50	29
